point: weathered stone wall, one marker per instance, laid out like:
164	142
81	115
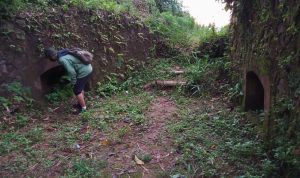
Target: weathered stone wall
119	43
266	42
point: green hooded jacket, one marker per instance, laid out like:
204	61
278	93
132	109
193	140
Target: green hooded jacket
76	69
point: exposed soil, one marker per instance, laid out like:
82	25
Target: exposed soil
152	139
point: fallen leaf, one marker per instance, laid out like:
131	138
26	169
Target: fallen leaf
105	142
138	161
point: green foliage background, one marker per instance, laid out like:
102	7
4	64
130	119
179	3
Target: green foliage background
164	17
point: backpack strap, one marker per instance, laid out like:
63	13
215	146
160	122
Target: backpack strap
63	52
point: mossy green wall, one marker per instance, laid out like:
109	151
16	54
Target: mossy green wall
266	39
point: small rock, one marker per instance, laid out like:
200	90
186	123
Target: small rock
111	154
178	176
77	146
126	119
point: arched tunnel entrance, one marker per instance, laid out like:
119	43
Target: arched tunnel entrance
254	93
52	78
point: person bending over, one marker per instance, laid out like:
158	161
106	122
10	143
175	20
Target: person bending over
79	73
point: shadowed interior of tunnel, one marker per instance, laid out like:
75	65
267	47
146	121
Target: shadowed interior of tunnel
52	78
254	93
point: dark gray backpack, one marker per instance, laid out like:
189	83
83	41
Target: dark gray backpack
84	56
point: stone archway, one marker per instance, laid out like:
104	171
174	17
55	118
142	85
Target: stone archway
254	92
52	78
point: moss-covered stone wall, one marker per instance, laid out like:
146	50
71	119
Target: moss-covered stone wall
266	41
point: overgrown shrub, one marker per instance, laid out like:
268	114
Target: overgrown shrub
109	88
59	94
284	150
173	6
17	95
7	7
16	106
10	7
204	75
115	6
181	31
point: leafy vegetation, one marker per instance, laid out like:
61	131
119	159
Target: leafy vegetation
15	141
202	75
173	6
14	104
180	31
114	6
10	7
19	93
59	94
284	150
85	168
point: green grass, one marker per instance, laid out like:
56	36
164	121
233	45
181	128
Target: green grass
124	104
85	168
17	141
36	134
212	140
67	134
59	94
13	141
9	7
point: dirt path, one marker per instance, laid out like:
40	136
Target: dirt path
150	140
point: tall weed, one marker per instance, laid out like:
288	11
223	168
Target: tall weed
182	31
109	5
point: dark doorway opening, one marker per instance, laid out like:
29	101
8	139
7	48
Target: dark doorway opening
254	93
54	77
